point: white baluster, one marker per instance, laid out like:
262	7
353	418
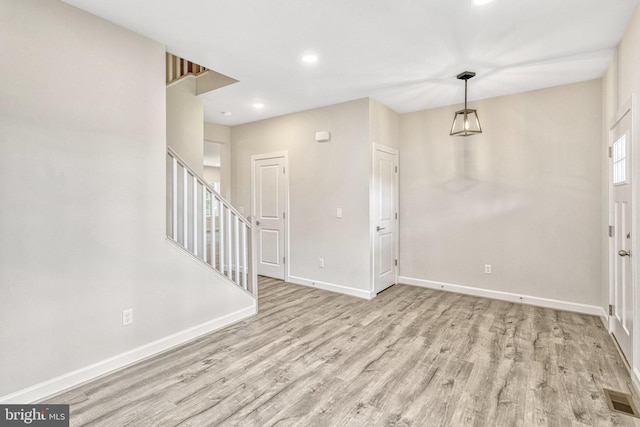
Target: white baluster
204	222
237	247
195	215
174	200
229	245
185	208
214	208
245	269
254	260
234	248
223	237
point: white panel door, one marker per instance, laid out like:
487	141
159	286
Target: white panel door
269	212
385	209
621	164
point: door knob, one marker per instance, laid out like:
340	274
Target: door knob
257	222
624	253
378	228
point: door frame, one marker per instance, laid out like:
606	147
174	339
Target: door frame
628	107
372	206
265	156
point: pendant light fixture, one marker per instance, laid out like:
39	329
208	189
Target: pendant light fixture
465	122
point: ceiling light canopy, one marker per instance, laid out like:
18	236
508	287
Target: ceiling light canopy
465	121
481	2
258	105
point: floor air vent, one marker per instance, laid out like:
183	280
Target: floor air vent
620	402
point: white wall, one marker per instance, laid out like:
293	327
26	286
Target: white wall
524	196
82	173
323	177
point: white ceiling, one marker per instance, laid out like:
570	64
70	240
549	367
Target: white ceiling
404	53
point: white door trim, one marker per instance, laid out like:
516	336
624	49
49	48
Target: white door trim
372	198
265	156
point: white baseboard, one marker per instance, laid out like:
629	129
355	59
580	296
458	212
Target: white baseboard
604	318
57	385
507	296
332	287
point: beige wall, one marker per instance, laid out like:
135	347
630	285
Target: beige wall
524	196
211	174
384	125
82	211
185	123
221	134
628	63
323	177
217	133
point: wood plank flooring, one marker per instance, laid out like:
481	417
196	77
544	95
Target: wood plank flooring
410	357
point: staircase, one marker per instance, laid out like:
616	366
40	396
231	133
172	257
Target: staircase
207	80
178	67
204	224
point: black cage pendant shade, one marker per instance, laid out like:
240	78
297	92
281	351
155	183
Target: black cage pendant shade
465	122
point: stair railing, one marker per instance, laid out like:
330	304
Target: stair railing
177	68
204	224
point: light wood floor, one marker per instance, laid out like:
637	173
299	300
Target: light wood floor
411	356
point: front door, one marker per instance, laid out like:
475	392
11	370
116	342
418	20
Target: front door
621	216
269	211
385	217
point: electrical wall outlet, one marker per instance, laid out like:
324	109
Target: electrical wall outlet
487	268
338	212
127	317
321	262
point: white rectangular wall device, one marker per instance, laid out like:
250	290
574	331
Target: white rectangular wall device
323	136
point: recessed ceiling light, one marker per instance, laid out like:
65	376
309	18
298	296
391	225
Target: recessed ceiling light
258	105
481	2
310	59
226	113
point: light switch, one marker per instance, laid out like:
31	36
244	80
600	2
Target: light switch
339	213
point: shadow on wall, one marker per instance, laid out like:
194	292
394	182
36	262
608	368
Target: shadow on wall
464	169
476	200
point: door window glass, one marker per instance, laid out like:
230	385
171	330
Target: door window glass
619	155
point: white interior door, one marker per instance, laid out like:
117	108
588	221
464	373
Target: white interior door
385	217
269	210
621	219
